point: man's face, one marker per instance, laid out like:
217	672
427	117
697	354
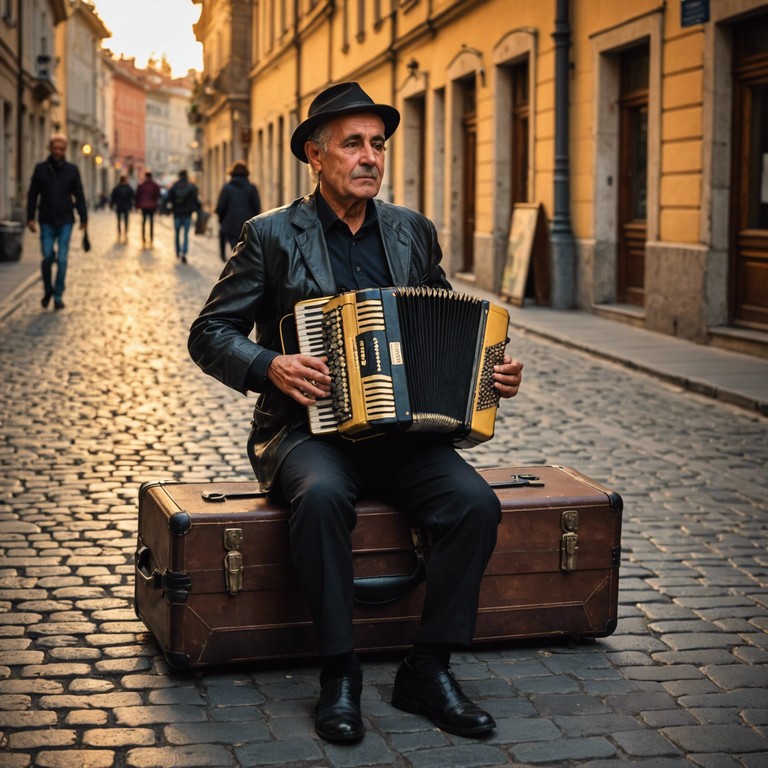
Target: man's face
352	166
58	149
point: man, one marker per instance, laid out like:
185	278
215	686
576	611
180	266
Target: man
122	199
56	185
341	238
238	201
147	200
183	201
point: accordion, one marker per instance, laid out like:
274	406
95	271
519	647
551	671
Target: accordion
404	359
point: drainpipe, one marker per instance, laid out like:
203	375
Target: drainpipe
20	201
562	289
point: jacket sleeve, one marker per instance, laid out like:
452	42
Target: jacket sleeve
219	338
32	195
77	191
221	203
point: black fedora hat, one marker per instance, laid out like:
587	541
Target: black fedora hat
340	99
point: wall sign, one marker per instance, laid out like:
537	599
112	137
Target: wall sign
527	243
693	12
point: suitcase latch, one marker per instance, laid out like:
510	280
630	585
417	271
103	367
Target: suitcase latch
569	543
233	560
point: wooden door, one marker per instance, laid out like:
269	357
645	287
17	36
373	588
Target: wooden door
520	127
748	304
633	174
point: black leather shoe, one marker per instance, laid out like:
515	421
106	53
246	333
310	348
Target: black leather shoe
338	716
46	300
440	697
58	305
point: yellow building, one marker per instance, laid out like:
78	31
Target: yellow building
222	104
639	126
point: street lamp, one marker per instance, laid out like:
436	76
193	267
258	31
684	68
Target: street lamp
87	149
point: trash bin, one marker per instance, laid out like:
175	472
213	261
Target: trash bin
10	240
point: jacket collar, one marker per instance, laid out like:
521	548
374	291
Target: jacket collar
311	244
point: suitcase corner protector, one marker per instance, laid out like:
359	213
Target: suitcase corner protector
177	660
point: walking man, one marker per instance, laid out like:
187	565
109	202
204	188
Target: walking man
147	200
183	201
56	185
122	200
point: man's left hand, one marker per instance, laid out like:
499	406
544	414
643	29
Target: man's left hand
83	225
508	376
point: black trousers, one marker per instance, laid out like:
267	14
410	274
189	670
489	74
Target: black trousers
423	477
148	216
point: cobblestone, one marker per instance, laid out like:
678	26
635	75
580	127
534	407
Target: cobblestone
102	397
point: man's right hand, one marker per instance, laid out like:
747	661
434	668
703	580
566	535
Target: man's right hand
303	377
31	226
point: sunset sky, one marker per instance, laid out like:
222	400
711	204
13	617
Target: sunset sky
143	28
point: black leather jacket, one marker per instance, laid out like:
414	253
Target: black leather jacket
281	259
59	189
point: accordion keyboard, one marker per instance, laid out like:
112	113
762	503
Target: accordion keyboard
309	329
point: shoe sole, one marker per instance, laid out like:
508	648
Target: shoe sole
339	739
416	708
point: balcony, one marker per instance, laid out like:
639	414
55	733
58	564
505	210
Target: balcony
43	81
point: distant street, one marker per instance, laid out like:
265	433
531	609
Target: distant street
102	396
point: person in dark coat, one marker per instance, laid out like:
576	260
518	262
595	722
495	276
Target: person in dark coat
56	185
341	238
183	201
121	201
147	201
238	201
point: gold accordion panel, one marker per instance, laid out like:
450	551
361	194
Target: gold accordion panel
405	359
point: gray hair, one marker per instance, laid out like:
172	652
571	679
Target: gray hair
320	136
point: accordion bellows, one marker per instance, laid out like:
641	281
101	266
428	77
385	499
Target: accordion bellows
407	359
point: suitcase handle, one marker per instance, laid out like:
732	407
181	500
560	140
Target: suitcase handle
379	590
142	566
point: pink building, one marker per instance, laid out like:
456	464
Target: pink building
128	153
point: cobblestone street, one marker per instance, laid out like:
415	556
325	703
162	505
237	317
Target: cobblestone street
102	396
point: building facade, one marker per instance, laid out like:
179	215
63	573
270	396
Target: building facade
170	137
81	114
223	102
638	128
129	110
28	94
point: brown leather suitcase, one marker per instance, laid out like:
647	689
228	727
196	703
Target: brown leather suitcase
215	584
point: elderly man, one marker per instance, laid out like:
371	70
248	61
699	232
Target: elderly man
337	239
56	185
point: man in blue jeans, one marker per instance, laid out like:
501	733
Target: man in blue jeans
183	201
56	185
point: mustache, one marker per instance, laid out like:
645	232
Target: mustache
361	172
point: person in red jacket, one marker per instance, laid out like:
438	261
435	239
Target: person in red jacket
147	201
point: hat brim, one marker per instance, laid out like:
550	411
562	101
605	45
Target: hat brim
389	115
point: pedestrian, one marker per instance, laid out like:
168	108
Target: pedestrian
183	201
305	250
147	201
122	200
238	201
57	187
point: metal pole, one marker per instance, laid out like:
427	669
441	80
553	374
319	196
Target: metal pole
561	237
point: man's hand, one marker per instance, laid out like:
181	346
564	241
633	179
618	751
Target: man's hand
31	226
83	225
508	376
302	377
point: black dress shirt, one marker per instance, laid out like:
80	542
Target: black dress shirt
358	261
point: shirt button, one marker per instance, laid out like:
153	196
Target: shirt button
357	269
